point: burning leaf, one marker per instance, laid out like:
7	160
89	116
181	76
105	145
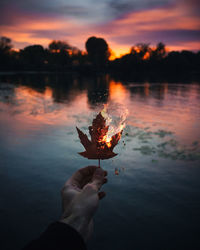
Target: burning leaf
100	146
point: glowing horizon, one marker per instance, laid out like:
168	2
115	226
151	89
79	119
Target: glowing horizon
175	23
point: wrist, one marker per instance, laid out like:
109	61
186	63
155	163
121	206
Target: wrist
79	223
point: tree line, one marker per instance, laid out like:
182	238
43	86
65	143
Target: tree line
61	56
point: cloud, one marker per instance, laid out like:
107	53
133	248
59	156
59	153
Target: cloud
30	29
121	7
166	36
122	23
153	24
191	6
87	11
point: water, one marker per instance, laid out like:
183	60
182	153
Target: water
154	201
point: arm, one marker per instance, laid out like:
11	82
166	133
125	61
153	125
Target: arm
58	236
80	199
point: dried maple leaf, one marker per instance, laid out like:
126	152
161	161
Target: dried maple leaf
99	147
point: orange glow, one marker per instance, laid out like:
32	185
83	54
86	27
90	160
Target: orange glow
119	50
184	46
118	92
30	110
39	108
48	94
26	31
146	89
108	144
114	129
146	56
156	19
106	140
112	55
55	50
15	49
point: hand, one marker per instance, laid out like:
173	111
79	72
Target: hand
80	199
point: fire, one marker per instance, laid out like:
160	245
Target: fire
108	144
106	140
113	127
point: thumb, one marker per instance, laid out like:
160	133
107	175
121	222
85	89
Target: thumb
98	178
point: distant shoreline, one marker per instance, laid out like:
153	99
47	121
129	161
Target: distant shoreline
140	76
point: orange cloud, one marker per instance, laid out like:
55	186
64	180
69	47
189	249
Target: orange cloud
174	26
158	19
154	25
185	46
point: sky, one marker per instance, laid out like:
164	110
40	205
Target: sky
122	23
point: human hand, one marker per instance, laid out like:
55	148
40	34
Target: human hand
80	198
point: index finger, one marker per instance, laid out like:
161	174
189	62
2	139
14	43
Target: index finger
81	177
98	178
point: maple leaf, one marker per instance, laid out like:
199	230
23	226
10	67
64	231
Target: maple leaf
98	147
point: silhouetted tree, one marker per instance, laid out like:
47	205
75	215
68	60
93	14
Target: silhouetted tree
5	44
158	53
78	58
135	61
161	50
182	61
98	51
156	57
142	59
33	57
57	46
59	57
140	51
5	55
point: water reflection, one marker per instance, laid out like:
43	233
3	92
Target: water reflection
118	92
158	113
157	184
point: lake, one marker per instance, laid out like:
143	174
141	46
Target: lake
153	189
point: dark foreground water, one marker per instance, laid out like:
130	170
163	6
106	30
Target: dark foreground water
154	202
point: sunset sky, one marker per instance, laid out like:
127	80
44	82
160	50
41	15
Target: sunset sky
122	23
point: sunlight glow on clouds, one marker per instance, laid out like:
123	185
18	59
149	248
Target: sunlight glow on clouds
170	25
122	23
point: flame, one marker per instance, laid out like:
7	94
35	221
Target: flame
106	140
113	129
